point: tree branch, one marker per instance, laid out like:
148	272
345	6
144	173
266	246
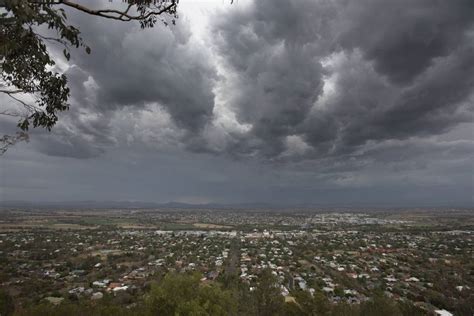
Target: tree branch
11	91
117	14
53	39
26	105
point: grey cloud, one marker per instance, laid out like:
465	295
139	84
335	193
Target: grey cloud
279	69
367	109
439	101
159	70
131	68
403	38
71	146
76	136
332	100
397	70
335	75
84	131
138	174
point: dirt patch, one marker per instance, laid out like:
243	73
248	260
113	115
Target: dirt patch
210	226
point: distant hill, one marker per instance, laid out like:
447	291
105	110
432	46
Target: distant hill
131	205
237	206
148	205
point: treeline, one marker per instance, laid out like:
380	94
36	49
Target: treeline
185	294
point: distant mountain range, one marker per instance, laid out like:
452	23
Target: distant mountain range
180	205
132	205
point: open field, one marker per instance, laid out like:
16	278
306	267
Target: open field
156	219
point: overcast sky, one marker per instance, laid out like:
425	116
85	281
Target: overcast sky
304	101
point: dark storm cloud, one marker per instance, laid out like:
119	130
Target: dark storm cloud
397	69
159	69
84	131
285	101
183	88
309	79
367	108
442	98
403	38
69	145
130	68
273	49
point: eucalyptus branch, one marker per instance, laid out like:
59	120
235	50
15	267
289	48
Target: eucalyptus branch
53	39
120	15
27	106
9	92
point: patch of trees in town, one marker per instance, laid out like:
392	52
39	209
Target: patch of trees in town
184	294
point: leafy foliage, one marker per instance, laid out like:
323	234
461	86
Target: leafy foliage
380	305
26	60
6	304
269	300
180	294
316	304
184	294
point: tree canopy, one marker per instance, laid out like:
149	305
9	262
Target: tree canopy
185	295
